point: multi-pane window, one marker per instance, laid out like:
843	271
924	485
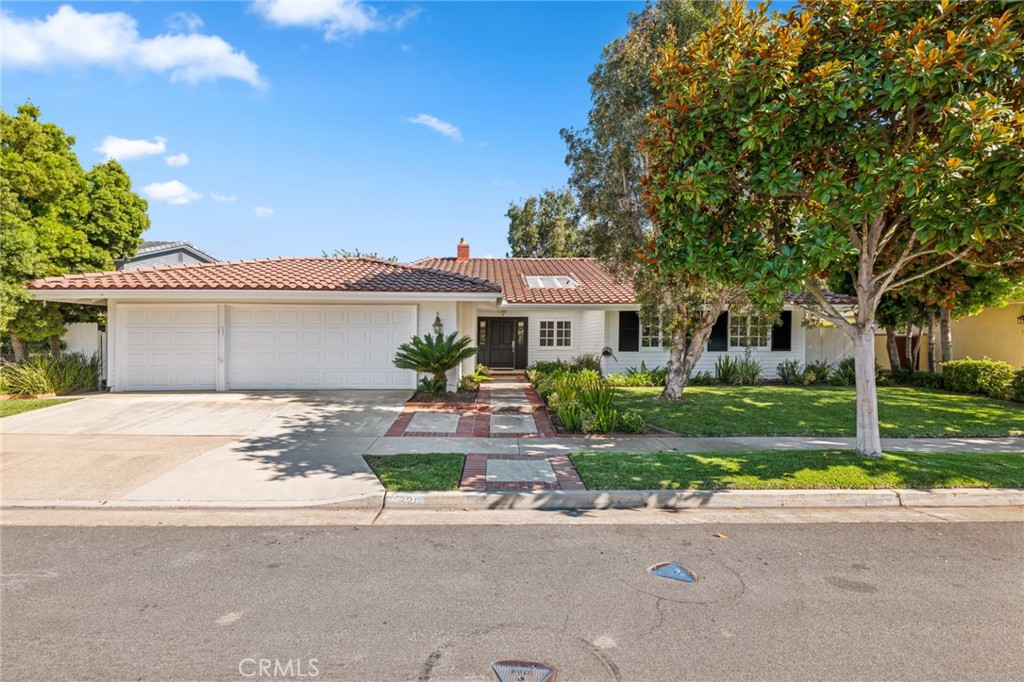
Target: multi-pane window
555	333
650	336
748	331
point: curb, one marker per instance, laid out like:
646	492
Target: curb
369	501
704	499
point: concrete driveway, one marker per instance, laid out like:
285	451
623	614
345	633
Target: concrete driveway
273	448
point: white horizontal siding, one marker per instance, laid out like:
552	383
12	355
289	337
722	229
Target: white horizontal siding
658	357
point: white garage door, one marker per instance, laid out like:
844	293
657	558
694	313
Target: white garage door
334	346
168	347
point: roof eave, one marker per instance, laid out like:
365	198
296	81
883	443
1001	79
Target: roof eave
100	296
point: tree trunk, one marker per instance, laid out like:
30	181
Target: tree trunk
869	440
945	335
931	340
678	372
55	345
908	348
20	347
892	348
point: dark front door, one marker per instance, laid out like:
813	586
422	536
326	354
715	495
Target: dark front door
502	342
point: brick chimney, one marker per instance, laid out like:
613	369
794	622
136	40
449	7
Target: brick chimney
462	252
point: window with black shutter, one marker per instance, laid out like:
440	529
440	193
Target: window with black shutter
629	331
782	332
719	339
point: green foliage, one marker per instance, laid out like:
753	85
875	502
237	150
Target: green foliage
56	218
581	401
471	382
632	422
434	354
357	253
639	376
547	226
1017	387
790	372
845	373
431	384
992	378
816	372
749	370
58	374
586	361
744	371
703	378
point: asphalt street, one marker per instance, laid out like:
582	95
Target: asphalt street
822	601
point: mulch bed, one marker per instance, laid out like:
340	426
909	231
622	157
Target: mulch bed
422	398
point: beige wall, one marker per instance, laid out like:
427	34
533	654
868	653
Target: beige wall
994	333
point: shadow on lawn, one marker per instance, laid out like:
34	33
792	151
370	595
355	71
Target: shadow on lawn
321	432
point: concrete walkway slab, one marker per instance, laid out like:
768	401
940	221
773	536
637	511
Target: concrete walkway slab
434	422
402	445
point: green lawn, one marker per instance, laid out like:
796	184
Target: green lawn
10	407
774	410
418	472
789	469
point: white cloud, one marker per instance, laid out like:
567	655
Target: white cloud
176	159
173	192
223	198
111	39
336	18
443	127
263	212
121	148
184	22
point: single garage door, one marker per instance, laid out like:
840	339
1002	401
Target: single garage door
332	346
167	347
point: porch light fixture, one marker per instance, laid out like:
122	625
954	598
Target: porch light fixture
438	325
1020	320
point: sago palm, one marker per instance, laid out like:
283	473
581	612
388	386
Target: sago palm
434	354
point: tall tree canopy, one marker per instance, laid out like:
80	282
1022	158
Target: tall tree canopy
607	163
56	218
546	226
882	140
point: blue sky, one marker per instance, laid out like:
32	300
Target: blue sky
395	127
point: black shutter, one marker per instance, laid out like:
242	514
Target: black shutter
719	339
629	331
782	332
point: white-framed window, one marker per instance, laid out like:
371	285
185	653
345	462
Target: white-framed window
748	331
650	336
551	282
556	333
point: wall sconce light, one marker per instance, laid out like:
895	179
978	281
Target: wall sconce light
1020	320
438	325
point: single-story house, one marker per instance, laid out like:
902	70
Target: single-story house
152	254
287	323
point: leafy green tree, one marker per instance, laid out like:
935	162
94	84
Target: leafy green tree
607	163
435	354
356	253
546	226
55	219
840	137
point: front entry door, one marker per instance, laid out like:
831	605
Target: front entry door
502	342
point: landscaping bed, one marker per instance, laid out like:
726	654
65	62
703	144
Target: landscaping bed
797	469
773	410
440	471
460	397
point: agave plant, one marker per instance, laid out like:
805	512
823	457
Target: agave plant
434	354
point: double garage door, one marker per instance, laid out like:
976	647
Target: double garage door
180	347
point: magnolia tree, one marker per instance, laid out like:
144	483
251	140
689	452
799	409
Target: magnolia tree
879	141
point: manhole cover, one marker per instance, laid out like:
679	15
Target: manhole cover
672	571
522	671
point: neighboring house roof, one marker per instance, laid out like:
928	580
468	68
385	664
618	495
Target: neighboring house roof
281	274
594	284
834	299
150	248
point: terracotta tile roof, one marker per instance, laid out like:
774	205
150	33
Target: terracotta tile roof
283	274
594	284
834	299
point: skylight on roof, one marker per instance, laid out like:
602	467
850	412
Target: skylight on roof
551	282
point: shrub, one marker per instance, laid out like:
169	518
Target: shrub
632	422
987	377
58	374
432	384
727	370
845	373
790	372
1017	387
929	380
816	372
570	415
471	382
435	355
749	371
703	378
586	361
